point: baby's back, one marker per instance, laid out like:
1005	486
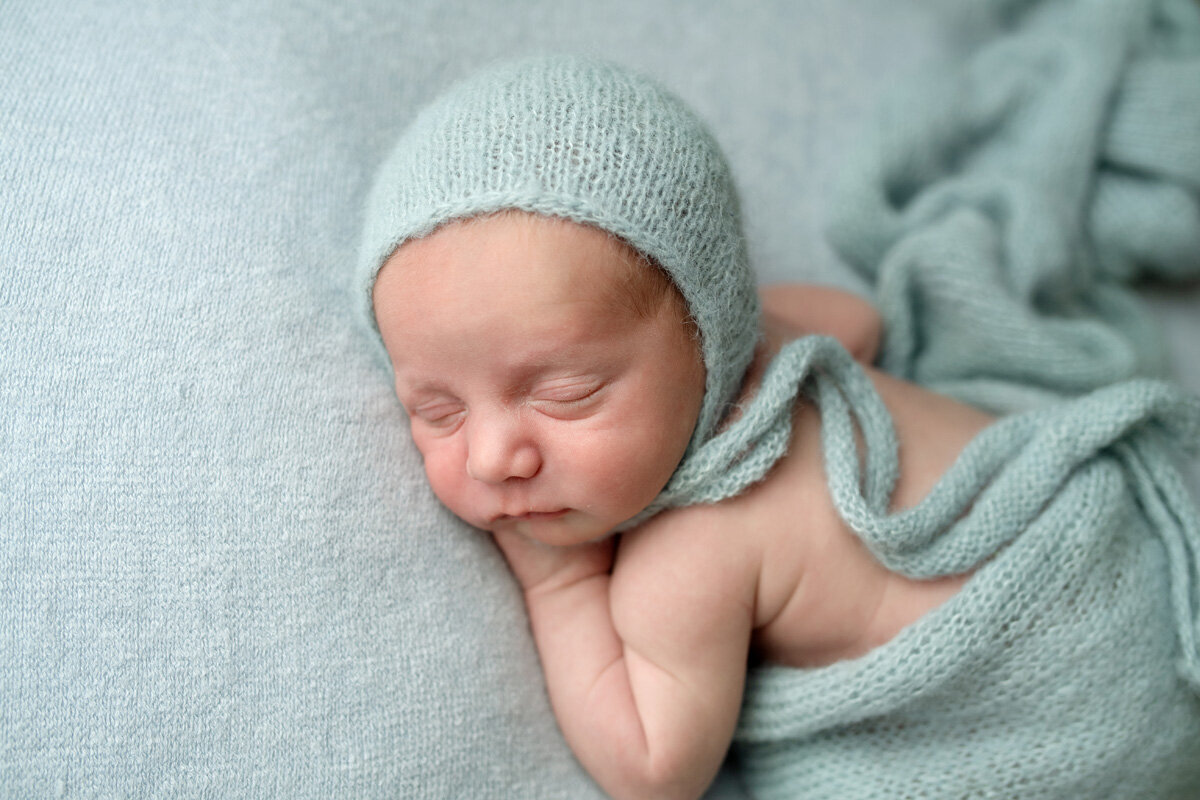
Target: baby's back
824	597
818	594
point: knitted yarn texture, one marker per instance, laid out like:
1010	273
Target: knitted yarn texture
999	211
1001	208
594	143
1069	665
591	142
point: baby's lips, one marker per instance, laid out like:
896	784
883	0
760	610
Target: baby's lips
532	516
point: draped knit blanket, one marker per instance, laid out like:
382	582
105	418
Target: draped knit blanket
1068	666
1000	211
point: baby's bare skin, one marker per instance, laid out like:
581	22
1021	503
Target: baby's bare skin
822	597
644	643
775	567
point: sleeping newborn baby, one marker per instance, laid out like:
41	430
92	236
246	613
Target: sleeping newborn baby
554	262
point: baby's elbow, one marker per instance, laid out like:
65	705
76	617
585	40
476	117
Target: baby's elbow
865	347
664	774
859	327
807	309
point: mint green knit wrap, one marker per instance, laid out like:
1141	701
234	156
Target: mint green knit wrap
1069	664
999	210
587	141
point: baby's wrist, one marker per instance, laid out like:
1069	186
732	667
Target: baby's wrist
542	568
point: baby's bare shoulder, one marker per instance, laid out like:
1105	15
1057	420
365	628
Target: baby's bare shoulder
685	567
694	540
932	430
747	551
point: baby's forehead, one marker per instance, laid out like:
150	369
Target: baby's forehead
583	259
526	291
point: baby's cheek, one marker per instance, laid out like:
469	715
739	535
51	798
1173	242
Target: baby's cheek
628	476
437	454
444	476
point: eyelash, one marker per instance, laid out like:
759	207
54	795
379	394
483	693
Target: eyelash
569	395
433	416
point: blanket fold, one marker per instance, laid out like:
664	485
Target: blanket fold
1076	635
1000	213
1054	673
999	210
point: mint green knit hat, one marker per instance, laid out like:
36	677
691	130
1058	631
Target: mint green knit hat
591	142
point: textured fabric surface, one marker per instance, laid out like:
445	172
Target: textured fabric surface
1003	221
1068	666
590	141
1002	208
221	572
1000	221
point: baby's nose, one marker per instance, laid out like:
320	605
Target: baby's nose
499	452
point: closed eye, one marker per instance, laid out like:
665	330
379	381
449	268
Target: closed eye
440	415
569	396
570	390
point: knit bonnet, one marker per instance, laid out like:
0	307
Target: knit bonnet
587	141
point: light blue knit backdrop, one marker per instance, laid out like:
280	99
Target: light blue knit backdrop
221	573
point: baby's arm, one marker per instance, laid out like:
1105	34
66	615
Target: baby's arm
801	309
645	666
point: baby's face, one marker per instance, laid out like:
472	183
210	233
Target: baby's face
540	404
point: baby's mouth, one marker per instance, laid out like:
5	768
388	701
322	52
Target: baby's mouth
532	516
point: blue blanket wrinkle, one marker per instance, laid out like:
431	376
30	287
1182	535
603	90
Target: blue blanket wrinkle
1076	635
1001	212
1078	629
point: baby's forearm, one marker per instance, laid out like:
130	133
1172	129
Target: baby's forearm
637	729
613	707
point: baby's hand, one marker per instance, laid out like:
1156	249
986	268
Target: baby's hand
541	567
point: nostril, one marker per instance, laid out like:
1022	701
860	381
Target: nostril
526	463
497	465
